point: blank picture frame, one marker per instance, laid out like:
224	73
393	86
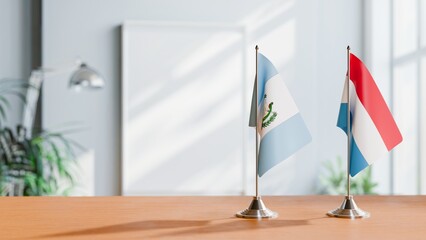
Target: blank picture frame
184	113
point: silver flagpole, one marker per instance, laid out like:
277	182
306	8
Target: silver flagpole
348	209
348	128
257	208
257	130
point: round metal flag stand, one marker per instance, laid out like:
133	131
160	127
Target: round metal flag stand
348	209
257	209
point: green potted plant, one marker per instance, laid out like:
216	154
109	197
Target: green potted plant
333	180
34	165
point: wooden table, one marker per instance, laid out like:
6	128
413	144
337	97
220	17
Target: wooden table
301	217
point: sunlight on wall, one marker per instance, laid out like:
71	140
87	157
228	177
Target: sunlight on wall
186	124
395	36
405	33
267	13
186	107
200	55
423	128
405	113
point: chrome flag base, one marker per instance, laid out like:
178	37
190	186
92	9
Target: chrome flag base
257	209
348	209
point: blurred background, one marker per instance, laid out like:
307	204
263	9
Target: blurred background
172	116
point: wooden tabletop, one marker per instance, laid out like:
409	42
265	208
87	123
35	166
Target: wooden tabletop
301	217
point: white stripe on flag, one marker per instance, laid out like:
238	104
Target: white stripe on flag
345	91
365	133
283	104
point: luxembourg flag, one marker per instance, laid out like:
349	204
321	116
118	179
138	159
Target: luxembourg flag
374	131
281	128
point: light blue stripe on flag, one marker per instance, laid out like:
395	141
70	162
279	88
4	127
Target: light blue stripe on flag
281	142
342	121
358	162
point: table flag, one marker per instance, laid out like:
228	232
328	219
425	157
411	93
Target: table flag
374	131
281	128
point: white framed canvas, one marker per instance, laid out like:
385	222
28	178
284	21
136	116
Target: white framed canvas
184	114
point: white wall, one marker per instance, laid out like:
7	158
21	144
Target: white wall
306	40
391	27
15	47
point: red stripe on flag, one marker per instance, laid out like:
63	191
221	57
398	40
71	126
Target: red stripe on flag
372	100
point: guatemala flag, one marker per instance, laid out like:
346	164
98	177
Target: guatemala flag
374	131
280	126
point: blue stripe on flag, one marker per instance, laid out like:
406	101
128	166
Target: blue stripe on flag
343	116
281	142
266	71
358	162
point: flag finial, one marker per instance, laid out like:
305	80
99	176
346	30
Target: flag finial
257	47
349	48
